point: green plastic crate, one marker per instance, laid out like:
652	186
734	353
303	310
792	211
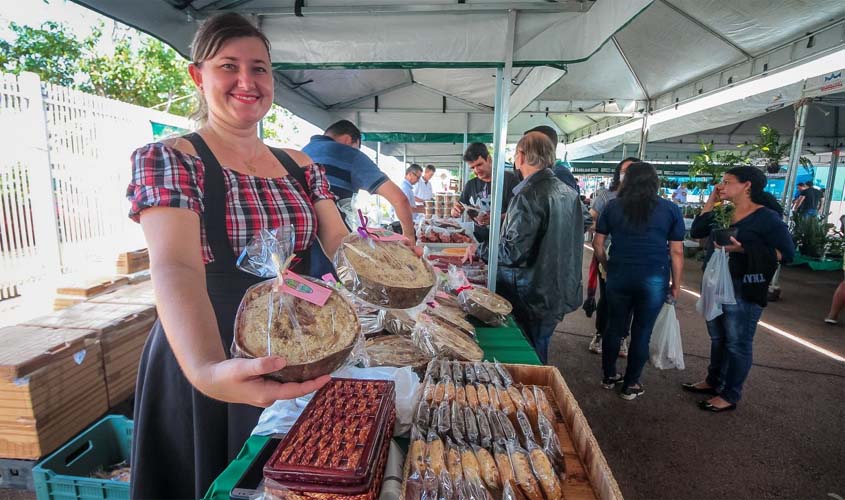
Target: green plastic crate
65	474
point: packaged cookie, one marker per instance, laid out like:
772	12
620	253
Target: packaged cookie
449	390
505	400
458	424
417	453
439	393
530	405
524	426
444	418
523	473
504	374
453	462
483	396
436	453
490	368
507	427
470	425
487	466
472	469
460	394
496	430
481	373
457	372
469	373
381	272
503	463
511	492
422	418
516	397
428	389
544	472
471	395
445	368
551	446
543	405
485	434
495	404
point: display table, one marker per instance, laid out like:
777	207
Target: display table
817	264
505	343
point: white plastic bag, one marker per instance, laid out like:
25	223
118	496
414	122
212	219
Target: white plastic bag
666	350
716	286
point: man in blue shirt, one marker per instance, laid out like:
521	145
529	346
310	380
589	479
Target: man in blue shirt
348	170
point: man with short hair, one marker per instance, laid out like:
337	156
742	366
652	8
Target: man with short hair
413	174
423	190
809	200
475	198
680	194
559	168
348	170
540	252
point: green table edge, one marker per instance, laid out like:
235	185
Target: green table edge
505	343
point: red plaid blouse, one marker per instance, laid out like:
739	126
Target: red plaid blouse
166	177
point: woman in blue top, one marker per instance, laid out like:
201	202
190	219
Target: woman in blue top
761	242
646	230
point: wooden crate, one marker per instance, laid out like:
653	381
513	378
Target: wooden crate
132	262
86	288
121	328
588	477
51	387
140	294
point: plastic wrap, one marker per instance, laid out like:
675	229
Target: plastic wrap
496	430
481	373
543	406
453	462
495	403
439	393
523	473
504	374
525	429
516	396
458	423
422	417
469	373
507	427
511	492
530	404
436	452
282	316
472	396
429	387
470	424
393	350
460	394
503	463
383	273
487	466
483	396
402	321
507	404
544	472
551	446
485	434
440	339
444	418
457	372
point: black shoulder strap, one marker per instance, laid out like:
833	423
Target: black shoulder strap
292	167
214	203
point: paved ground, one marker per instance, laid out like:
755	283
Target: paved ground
785	440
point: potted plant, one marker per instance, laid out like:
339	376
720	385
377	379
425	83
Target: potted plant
714	164
769	147
811	236
723	212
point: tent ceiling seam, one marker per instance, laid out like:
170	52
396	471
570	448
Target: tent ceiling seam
707	28
356	100
301	91
630	67
423	8
475	105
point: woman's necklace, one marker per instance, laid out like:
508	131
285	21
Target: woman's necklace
248	163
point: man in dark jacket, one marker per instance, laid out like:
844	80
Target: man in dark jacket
541	246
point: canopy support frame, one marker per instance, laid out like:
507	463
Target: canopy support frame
801	108
706	28
500	134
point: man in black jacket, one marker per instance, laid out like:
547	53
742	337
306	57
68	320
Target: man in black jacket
541	246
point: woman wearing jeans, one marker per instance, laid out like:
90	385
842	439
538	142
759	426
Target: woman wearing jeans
762	240
646	230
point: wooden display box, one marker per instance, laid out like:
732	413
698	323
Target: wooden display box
140	294
51	387
132	262
588	476
121	329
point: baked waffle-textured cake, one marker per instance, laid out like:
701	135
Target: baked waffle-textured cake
453	317
444	340
338	446
323	340
399	322
395	350
385	274
485	305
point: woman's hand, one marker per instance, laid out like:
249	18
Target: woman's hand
240	380
469	253
735	246
711	200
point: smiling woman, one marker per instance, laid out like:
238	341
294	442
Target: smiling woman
200	199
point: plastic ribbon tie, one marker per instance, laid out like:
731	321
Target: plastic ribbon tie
463	289
362	229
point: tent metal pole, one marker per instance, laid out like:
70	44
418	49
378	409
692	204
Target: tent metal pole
643	137
464	166
405	156
834	162
624	150
500	134
801	108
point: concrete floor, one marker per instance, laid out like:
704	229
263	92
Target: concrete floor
786	440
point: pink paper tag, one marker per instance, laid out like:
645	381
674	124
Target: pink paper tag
328	278
385	235
296	285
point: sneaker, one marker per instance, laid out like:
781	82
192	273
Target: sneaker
609	383
629	393
623	349
595	344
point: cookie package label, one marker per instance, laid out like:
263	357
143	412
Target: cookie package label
296	285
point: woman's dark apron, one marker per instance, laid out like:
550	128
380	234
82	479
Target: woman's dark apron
183	439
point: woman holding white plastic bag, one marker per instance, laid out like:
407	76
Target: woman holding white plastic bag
648	235
762	240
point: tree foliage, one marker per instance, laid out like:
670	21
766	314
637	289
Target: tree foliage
712	163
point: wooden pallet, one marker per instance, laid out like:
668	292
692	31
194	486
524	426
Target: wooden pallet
121	328
52	386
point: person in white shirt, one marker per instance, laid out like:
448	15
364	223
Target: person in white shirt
423	190
680	194
413	174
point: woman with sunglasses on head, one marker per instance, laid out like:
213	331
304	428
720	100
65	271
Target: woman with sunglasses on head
648	235
762	240
200	199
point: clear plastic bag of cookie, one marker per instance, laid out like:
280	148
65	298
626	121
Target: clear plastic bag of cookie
512	492
488	469
543	405
469	373
417	453
381	269
481	373
545	472
305	320
503	372
505	401
458	423
444	418
435	452
490	368
471	396
551	446
470	424
460	394
485	434
422	417
523	473
495	404
453	462
530	404
457	372
526	432
433	370
483	396
503	463
507	427
516	397
496	430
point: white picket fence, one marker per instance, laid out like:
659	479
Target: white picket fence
63	177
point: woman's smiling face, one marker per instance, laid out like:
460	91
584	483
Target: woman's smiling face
237	82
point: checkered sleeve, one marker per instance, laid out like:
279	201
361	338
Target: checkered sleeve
163	177
318	183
